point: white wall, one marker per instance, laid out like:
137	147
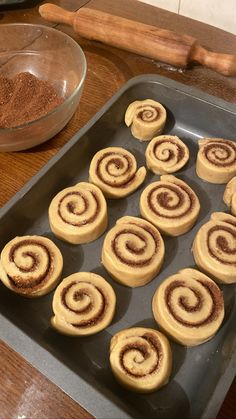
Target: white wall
219	13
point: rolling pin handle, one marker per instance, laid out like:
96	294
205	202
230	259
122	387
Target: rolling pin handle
222	63
56	14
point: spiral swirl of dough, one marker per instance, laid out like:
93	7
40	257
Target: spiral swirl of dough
83	304
133	251
146	117
230	195
78	214
189	307
141	359
114	171
31	265
216	160
166	154
214	248
170	204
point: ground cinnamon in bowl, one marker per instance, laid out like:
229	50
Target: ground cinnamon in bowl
25	98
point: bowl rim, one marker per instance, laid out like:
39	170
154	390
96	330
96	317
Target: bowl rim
69	98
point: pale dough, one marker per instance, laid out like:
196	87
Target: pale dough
216	160
78	214
141	359
230	195
189	307
214	248
133	251
31	265
146	118
166	154
83	304
114	171
170	204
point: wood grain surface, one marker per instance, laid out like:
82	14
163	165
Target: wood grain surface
25	393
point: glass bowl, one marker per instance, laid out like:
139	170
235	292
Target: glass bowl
49	55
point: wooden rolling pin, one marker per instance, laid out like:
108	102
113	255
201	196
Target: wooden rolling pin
149	41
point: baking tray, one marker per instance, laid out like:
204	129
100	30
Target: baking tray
16	4
202	375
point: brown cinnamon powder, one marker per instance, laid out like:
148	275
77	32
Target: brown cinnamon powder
25	98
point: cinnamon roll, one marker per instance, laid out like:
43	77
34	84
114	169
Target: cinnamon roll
133	251
214	247
216	160
170	204
83	304
230	195
114	171
141	359
146	118
30	265
189	307
223	216
78	214
166	154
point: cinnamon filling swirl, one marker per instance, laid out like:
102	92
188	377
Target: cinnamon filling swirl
221	244
166	154
114	171
216	160
145	352
140	359
135	248
214	248
83	304
35	262
133	251
31	265
73	208
146	118
189	306
197	306
79	296
220	153
148	113
164	199
118	165
78	214
170	204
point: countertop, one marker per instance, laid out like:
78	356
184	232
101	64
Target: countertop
26	393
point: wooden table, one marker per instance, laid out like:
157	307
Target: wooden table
24	391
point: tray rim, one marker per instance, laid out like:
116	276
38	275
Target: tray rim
187	90
7	336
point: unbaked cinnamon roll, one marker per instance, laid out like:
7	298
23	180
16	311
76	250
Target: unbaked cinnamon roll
223	216
114	171
78	214
133	251
170	204
189	307
214	248
146	118
166	154
230	195
31	265
216	160
141	359
83	304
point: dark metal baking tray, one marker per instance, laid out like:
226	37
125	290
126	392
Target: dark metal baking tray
16	4
202	375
